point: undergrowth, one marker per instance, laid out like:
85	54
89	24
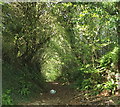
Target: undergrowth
100	78
17	85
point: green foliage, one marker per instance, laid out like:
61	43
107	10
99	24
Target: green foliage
69	42
24	91
97	89
109	85
86	78
6	98
108	63
110	59
25	87
86	84
21	82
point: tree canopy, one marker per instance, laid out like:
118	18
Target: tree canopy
73	42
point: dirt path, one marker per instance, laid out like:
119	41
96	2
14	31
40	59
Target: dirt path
63	95
67	96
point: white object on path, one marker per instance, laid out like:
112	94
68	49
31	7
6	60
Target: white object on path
52	91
